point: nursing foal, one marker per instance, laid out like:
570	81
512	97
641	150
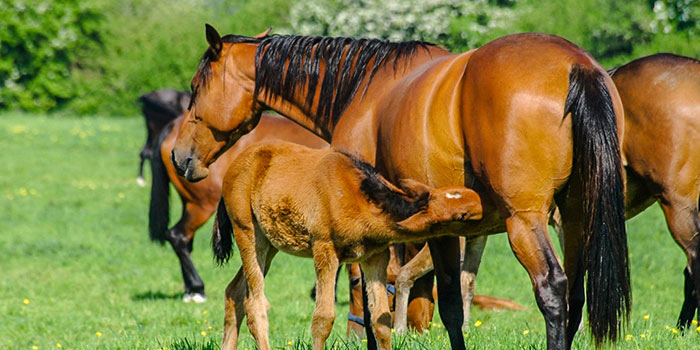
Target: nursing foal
326	205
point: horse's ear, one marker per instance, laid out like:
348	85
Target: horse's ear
214	39
414	188
264	34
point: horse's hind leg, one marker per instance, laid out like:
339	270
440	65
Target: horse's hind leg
180	237
681	213
326	264
472	252
529	239
235	293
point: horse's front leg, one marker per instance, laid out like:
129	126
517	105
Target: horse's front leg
326	265
374	269
529	239
445	253
472	252
421	264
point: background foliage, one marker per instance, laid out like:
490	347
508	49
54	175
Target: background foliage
90	57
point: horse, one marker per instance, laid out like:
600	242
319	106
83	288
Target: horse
159	108
199	200
326	205
661	98
527	120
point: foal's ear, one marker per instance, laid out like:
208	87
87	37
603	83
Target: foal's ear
414	188
214	39
264	34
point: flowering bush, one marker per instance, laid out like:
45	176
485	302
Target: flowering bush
456	24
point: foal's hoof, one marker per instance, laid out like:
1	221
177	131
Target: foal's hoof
194	298
141	181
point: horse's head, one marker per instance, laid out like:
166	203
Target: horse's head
223	106
445	204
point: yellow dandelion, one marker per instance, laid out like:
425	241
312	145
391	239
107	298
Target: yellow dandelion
18	129
99	334
698	329
203	333
290	342
34	347
412	336
694	322
646	317
22	191
199	322
210	327
642	335
438	325
26	301
364	340
393	331
629	337
477	323
526	332
58	345
438	337
205	312
674	331
206	321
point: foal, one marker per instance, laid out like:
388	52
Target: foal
329	206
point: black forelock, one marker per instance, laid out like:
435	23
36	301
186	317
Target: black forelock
286	64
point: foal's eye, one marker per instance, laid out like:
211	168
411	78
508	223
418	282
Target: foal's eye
197	118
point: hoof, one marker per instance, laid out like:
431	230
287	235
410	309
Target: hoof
194	298
141	182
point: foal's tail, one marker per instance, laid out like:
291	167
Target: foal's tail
222	236
598	164
159	210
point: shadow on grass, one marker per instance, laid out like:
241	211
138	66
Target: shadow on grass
151	295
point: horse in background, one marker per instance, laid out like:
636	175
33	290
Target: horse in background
326	205
159	108
199	199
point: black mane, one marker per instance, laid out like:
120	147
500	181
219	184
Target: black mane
286	64
398	205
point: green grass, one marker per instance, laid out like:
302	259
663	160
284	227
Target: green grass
74	244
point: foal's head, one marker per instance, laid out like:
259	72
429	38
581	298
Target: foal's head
444	204
223	107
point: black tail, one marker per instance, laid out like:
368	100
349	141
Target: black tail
598	162
222	236
159	211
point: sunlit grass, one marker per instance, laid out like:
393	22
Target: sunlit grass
79	270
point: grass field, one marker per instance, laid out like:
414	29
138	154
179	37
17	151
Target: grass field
78	270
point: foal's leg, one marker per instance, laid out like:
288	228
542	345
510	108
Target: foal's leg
374	269
235	294
681	211
326	264
420	265
529	239
473	249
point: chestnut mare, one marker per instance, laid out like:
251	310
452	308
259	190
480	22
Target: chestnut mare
331	207
526	120
199	200
661	96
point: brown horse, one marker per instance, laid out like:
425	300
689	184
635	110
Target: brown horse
199	200
159	108
525	120
331	207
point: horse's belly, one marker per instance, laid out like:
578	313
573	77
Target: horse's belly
286	231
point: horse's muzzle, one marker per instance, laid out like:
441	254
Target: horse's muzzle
188	167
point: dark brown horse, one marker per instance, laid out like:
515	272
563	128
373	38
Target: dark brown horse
159	108
661	96
199	200
525	120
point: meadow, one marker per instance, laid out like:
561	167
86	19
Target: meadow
79	272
